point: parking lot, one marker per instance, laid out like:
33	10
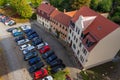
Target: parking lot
16	66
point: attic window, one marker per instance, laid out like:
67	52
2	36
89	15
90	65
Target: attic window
99	27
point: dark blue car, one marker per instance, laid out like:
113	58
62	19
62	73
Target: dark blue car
33	36
36	67
30	33
51	58
19	38
27	31
47	54
57	68
37	41
56	62
34	60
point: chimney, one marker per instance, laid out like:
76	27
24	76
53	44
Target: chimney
64	10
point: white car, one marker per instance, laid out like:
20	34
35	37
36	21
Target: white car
25	27
10	23
39	46
48	78
25	51
23	41
24	46
16	30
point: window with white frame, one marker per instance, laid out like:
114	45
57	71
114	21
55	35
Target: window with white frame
84	51
81	58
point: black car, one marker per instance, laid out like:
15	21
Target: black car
30	55
51	58
19	38
30	33
34	60
36	67
37	41
56	62
11	29
57	68
47	54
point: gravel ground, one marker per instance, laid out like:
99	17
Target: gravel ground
16	66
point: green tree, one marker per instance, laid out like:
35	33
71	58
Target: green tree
94	4
78	3
104	5
2	2
22	8
36	3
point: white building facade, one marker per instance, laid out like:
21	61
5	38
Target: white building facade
91	43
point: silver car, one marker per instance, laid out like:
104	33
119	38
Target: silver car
23	41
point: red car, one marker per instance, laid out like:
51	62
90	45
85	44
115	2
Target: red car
44	49
40	74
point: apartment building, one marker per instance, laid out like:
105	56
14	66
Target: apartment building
59	24
43	14
93	38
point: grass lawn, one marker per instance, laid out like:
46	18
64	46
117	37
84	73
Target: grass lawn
99	72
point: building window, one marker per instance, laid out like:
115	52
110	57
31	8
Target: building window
74	46
84	51
80	44
69	38
70	30
66	29
63	27
72	33
76	40
78	31
78	52
81	58
74	37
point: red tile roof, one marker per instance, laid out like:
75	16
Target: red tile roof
100	26
84	11
61	17
47	8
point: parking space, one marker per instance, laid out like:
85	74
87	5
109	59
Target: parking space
16	64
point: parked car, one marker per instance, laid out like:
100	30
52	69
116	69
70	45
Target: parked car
17	34
34	60
37	41
55	62
11	29
39	46
30	55
25	27
48	78
25	46
57	68
25	51
51	58
23	41
47	54
33	36
36	67
44	49
40	74
19	38
16	30
30	32
27	31
10	23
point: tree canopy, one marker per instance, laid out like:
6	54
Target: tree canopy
22	8
36	3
